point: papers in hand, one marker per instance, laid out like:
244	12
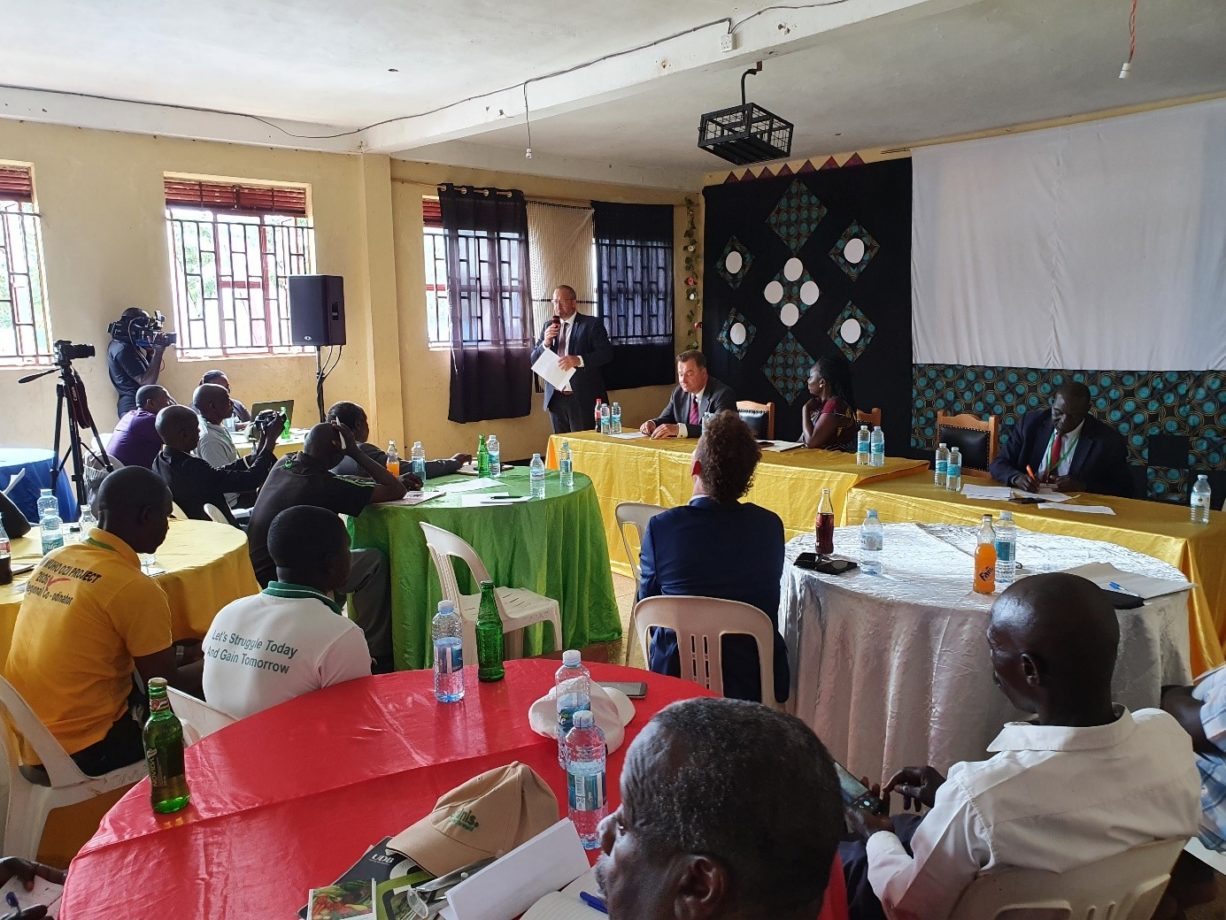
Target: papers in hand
546	367
1108	577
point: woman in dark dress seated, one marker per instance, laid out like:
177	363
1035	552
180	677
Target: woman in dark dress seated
828	419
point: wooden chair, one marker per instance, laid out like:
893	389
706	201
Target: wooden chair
760	417
977	439
871	418
700	624
1123	887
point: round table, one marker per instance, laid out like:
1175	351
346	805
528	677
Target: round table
204	567
37	464
893	670
554	546
289	798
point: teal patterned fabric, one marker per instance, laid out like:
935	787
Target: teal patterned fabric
788	368
725	333
796	216
871	247
852	350
1153	411
734	279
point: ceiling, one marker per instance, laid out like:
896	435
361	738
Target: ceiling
851	75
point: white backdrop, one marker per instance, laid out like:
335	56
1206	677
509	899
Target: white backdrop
1100	245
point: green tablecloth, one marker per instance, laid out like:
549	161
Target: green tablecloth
555	546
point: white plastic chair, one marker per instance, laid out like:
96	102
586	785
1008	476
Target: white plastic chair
518	607
31	802
1127	886
198	717
700	623
13	480
214	513
636	515
177	513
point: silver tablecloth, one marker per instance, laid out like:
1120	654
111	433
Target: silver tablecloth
893	670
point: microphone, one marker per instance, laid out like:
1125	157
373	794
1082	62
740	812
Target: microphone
557	320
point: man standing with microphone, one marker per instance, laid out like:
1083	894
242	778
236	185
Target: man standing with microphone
581	343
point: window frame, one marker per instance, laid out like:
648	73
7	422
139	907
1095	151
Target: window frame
19	208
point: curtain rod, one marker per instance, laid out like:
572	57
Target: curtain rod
549	203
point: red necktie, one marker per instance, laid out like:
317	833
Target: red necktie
693	419
1057	445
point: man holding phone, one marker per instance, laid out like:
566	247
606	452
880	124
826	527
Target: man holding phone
1041	802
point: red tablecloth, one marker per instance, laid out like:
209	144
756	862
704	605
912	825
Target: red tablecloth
289	798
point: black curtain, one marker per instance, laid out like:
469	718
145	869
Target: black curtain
488	300
634	290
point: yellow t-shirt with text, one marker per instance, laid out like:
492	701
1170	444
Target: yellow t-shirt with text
88	611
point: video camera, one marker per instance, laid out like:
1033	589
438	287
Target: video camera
268	419
141	329
66	352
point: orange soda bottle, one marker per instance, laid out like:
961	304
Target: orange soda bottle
393	459
985	558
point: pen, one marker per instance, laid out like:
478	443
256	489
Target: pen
593	902
1030	473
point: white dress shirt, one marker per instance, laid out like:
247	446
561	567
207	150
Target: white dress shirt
216	448
1053	798
563	343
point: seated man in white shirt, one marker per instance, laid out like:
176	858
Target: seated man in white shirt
291	638
1083	781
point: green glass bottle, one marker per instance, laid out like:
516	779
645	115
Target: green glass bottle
490	649
285	433
483	457
164	752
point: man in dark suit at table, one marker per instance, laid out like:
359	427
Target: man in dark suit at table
1066	447
582	344
717	546
697	394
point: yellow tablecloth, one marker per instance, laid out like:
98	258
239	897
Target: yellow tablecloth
296	439
658	473
206	566
1159	530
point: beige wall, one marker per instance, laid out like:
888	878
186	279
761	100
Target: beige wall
104	237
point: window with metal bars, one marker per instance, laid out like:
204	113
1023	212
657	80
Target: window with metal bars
232	250
25	326
438	311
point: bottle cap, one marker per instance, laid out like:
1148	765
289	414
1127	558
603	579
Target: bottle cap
872	512
942	444
582	719
571	658
157	682
987	519
446	607
1006	515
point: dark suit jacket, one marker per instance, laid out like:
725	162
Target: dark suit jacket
734	552
715	398
589	341
1099	459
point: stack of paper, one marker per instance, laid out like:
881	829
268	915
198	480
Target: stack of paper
1107	576
780	446
987	493
1084	509
472	485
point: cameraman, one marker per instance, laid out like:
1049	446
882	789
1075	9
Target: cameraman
134	357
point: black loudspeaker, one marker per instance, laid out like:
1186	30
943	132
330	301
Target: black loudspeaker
317	310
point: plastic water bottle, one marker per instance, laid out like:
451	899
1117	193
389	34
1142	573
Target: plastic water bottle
448	633
606	418
587	801
876	447
1200	500
599	403
494	449
953	472
872	541
537	476
47	502
574	692
940	466
86	522
862	446
52	527
417	462
566	466
615	418
393	459
1006	548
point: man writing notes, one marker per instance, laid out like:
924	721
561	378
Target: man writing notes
697	394
1066	447
582	345
1082	781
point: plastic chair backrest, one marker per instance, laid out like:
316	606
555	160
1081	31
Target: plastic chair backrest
20	718
636	515
700	623
442	545
14	479
214	513
202	717
1127	886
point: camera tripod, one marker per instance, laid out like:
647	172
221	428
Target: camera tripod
71	391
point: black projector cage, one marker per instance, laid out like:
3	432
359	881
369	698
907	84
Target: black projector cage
745	133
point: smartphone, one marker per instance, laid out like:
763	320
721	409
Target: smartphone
635	690
855	793
825	565
23	568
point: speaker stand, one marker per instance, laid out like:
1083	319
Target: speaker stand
320	376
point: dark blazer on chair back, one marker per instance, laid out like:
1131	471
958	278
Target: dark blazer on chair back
734	552
1100	459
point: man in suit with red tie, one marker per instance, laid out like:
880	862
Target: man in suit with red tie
1066	447
581	343
697	395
